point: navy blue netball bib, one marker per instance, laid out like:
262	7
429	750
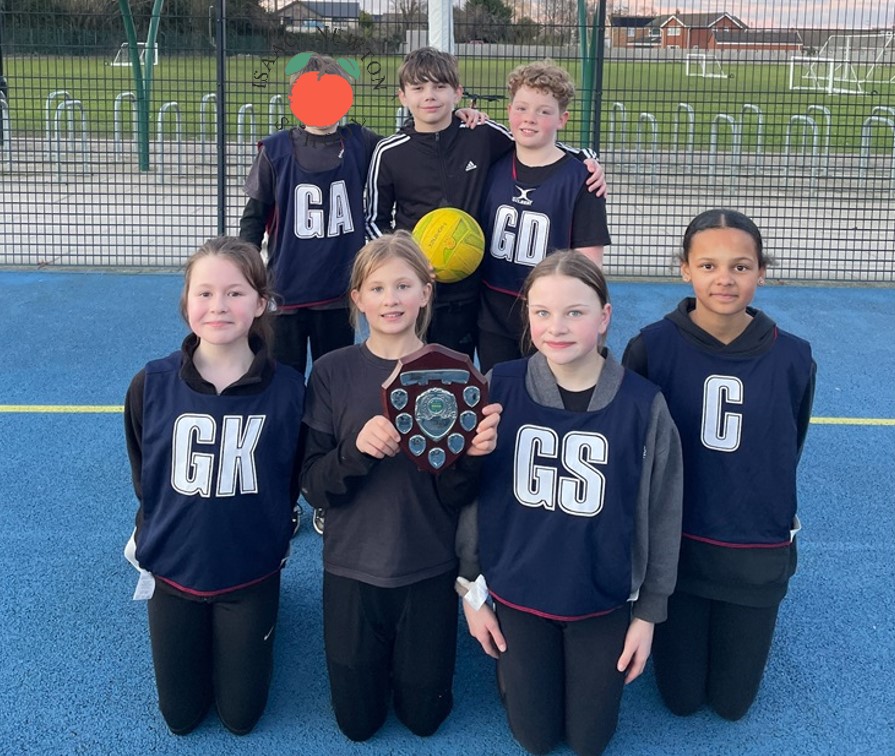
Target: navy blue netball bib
555	537
523	223
319	225
738	422
216	479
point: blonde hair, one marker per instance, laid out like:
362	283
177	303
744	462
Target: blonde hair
247	259
429	64
546	77
397	246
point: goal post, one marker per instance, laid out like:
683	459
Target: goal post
704	65
846	63
870	58
811	74
122	57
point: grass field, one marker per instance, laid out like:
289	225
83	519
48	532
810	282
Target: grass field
642	87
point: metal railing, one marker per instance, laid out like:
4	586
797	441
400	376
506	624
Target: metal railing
816	170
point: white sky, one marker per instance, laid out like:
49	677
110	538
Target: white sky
856	14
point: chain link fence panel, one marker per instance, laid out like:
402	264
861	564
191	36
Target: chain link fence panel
785	112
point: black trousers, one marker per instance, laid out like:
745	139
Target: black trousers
387	644
326	330
455	325
501	324
214	650
494	348
560	679
712	652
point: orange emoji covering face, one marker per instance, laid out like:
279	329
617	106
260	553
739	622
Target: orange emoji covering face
320	99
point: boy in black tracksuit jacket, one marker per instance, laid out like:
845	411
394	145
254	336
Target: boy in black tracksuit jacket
437	162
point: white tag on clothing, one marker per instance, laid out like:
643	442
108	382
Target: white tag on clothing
145	587
476	592
796	527
146	583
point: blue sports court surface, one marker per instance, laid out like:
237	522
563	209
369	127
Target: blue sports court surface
75	667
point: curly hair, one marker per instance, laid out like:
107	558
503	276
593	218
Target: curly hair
544	76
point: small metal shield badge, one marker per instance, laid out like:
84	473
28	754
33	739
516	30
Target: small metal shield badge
435	412
435	398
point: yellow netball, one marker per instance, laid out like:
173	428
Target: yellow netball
452	241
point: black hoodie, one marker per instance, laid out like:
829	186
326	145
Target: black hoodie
747	576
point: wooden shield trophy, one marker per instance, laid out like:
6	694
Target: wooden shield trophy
435	398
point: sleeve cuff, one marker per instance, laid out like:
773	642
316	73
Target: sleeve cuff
651	607
474	593
354	461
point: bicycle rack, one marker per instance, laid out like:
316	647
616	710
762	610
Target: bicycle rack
245	116
867	137
69	107
809	127
116	120
883	110
48	118
683	107
824	112
736	143
276	111
401	117
643	121
6	131
206	102
617	112
749	108
174	108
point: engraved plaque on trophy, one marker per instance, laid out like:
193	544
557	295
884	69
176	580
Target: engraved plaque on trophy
435	398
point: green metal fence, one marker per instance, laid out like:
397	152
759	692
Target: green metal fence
692	109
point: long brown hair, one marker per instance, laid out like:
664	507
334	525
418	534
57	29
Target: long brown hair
247	259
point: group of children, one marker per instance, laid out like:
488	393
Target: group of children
573	546
306	191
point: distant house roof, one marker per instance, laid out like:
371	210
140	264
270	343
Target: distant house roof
787	37
628	22
695	20
323	9
816	37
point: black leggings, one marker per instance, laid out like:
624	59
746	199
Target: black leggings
218	649
712	652
390	642
455	325
325	329
494	348
560	679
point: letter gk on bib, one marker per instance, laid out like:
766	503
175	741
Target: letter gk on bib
435	398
